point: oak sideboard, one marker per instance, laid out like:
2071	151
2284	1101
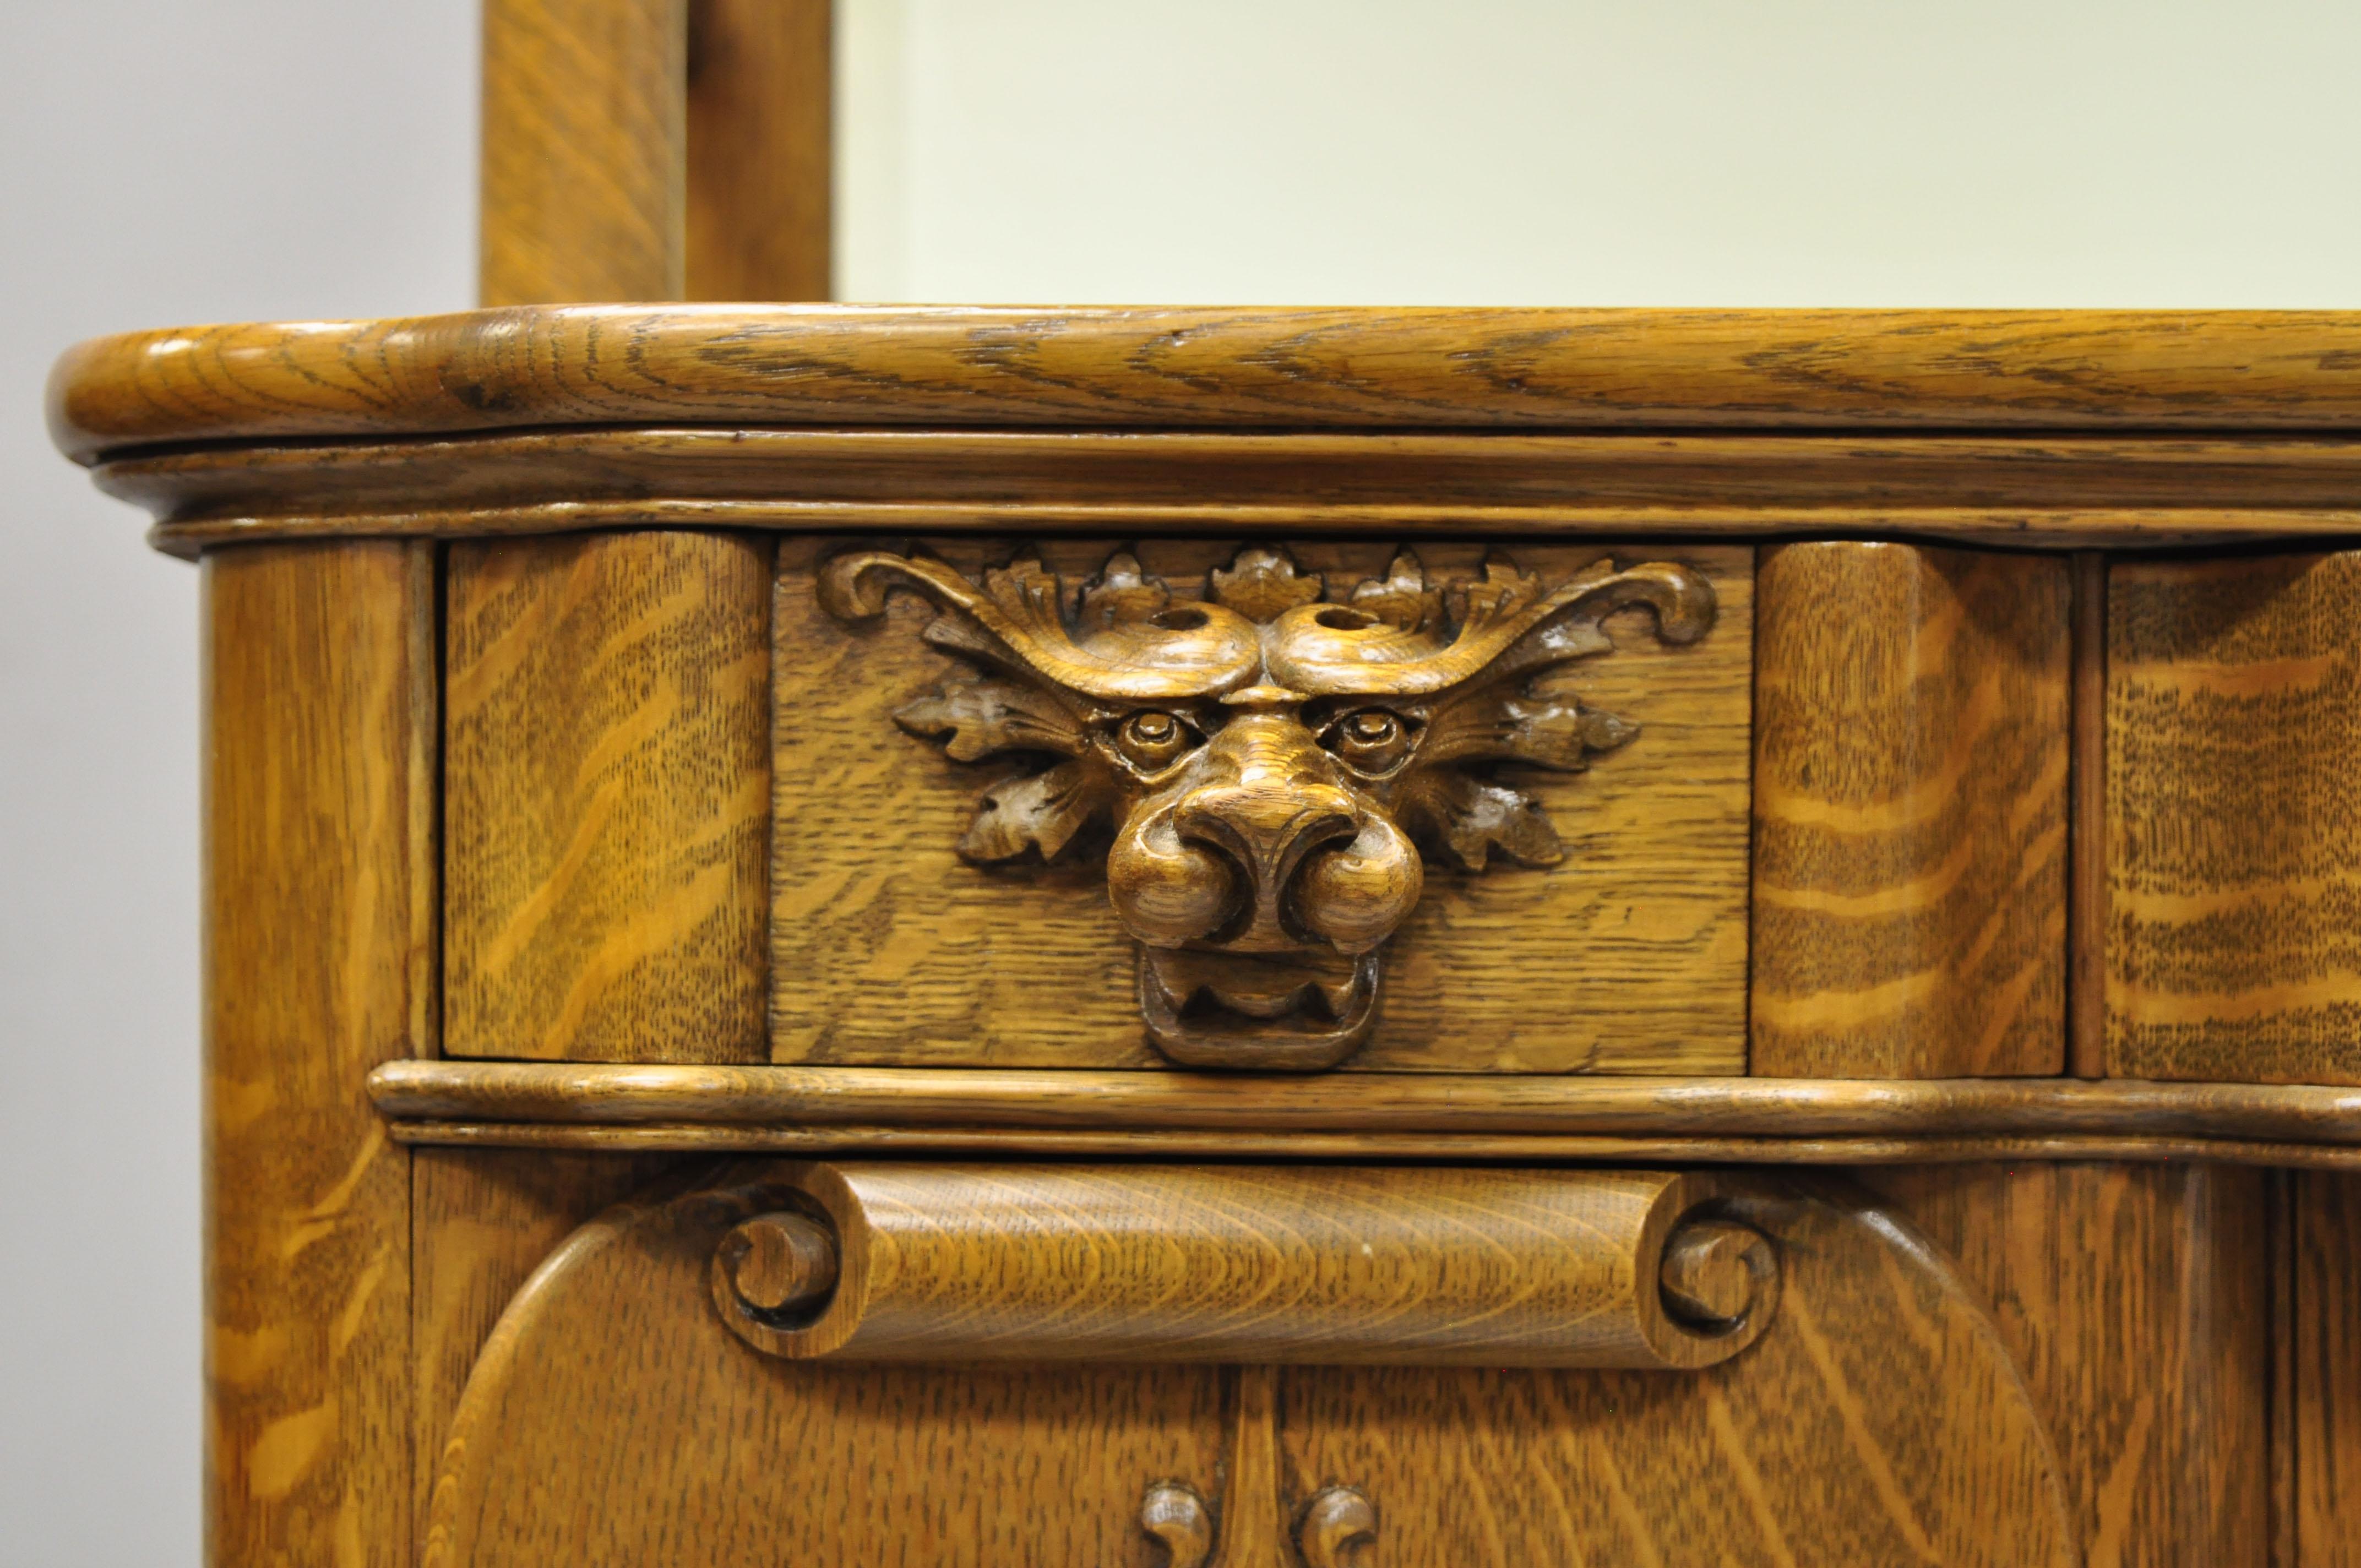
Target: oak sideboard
858	937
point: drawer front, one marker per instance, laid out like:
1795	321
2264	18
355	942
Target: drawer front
1531	808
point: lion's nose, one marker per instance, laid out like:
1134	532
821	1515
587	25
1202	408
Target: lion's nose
1266	833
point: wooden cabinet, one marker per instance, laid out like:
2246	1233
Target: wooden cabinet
944	747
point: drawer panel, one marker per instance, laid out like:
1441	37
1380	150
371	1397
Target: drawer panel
891	944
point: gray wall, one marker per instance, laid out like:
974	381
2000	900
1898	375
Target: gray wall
171	161
161	161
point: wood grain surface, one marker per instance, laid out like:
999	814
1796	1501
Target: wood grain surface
481	1222
1162	367
2091	489
611	1378
2322	1355
2234	808
2086	838
607	797
759	149
955	1264
584	136
2134	1301
613	1419
1911	764
319	908
1629	956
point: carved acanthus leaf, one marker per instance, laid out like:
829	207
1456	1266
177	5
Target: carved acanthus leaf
1040	811
977	718
1462	818
1262	585
1400	598
1491	725
1123	593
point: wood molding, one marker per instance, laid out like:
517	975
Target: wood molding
1416	1110
1013	1143
1213	368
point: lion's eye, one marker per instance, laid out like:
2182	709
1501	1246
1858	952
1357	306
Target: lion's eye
1152	741
1370	739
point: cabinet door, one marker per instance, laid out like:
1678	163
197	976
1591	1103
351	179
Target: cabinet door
613	1417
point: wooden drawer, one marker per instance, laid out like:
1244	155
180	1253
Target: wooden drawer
1556	870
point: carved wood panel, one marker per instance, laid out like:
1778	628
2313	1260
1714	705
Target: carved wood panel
615	1418
1628	954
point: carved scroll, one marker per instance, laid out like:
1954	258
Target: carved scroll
1267	769
962	1264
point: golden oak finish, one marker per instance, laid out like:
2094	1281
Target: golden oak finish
1265	757
1911	763
2134	1300
591	1094
1629	956
481	1222
584	137
957	1264
2086	840
1250	369
319	941
2096	491
2234	812
607	810
759	143
2321	1356
613	1364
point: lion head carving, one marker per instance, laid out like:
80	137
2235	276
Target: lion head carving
1268	767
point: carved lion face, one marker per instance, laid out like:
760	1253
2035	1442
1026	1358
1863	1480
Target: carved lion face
1272	763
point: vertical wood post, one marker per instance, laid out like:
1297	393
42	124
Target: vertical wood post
585	133
320	907
759	149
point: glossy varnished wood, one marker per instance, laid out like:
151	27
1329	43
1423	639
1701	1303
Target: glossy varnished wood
2096	490
584	136
759	143
481	1222
888	949
320	899
2086	838
2321	1352
605	801
2135	1301
613	1364
955	1264
1152	367
613	1417
1911	766
2234	810
593	1095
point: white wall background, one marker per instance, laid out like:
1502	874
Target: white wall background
169	161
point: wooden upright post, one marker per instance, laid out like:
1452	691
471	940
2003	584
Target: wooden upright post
585	154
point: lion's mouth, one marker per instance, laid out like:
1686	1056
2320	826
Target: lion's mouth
1284	1012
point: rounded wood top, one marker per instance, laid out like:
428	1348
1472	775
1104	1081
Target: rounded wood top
1111	368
